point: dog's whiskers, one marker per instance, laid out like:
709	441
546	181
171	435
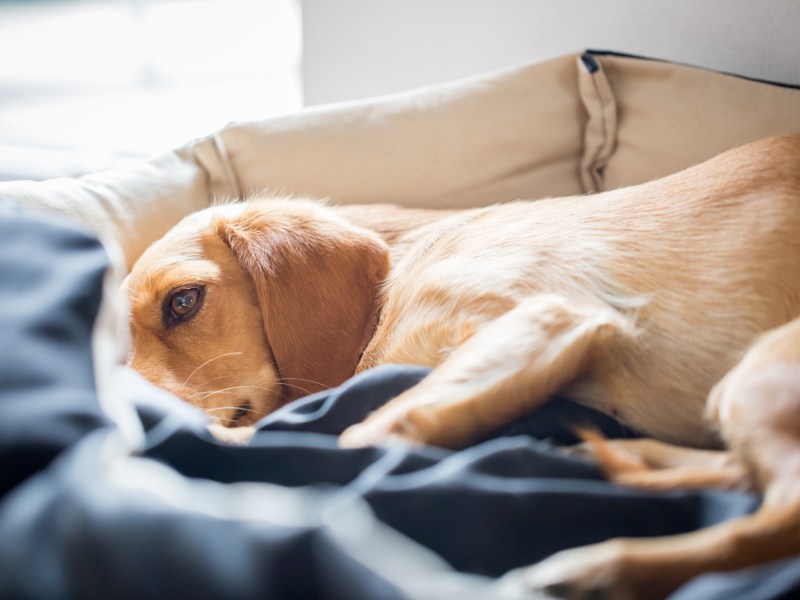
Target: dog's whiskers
215	379
207	362
227	390
150	280
135	293
292	385
322	385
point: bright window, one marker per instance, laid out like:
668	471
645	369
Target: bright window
86	84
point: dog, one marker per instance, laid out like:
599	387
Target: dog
670	305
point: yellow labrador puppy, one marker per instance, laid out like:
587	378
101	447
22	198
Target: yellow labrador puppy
635	302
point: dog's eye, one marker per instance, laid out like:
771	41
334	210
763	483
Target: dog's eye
183	303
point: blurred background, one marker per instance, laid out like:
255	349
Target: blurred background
86	84
90	84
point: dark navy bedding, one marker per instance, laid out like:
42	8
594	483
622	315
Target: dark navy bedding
87	513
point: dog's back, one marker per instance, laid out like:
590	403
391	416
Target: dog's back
701	263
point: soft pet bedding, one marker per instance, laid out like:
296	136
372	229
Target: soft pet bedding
91	509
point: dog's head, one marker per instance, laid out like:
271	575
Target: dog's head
244	307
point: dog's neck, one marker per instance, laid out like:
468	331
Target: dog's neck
399	227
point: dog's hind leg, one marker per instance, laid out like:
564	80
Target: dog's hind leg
650	464
506	369
655	567
757	406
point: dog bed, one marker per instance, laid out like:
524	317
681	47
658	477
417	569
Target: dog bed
109	486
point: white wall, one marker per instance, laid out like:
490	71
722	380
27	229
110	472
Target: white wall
358	48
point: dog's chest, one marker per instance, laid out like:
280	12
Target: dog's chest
444	290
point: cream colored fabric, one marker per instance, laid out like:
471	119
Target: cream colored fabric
569	125
673	116
599	134
133	206
487	139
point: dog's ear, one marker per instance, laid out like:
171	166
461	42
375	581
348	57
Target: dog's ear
317	278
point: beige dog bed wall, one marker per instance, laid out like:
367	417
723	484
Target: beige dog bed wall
574	124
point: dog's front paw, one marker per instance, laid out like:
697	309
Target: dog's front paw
399	427
601	571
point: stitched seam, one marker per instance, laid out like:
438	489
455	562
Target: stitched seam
604	130
227	167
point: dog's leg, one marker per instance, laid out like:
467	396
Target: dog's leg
654	465
757	406
510	366
655	567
